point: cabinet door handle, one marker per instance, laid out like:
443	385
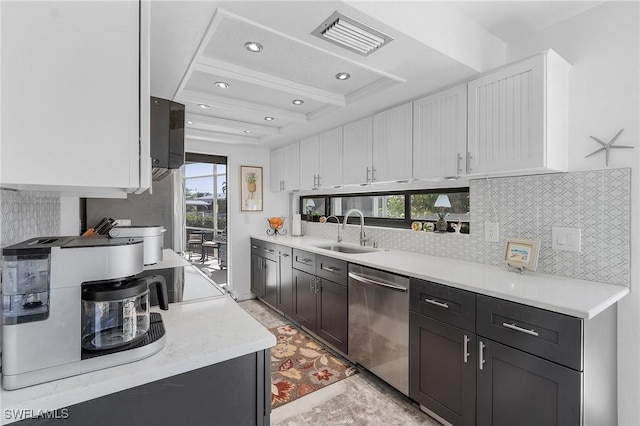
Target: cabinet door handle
315	285
481	347
459	163
368	178
285	255
466	348
311	284
373	176
435	302
305	261
269	250
329	268
255	247
318	181
530	332
469	157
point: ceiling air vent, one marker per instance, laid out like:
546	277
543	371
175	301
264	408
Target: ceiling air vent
351	34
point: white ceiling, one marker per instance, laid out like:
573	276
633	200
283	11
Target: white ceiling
196	43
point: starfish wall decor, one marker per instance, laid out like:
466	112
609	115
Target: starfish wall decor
607	146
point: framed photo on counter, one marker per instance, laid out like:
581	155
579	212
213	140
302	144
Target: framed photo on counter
251	189
521	254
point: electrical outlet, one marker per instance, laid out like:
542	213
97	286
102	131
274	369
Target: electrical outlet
491	232
568	239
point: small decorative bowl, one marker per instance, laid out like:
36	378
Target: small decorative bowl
275	226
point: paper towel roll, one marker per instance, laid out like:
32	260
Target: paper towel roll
296	227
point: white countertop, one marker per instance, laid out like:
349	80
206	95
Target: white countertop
579	298
199	333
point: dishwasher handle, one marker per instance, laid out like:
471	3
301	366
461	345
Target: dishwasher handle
386	284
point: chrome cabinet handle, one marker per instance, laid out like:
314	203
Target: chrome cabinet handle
380	283
373	176
318	181
459	163
285	255
469	157
466	348
306	261
255	247
435	302
329	268
530	332
269	250
315	286
311	284
368	171
481	347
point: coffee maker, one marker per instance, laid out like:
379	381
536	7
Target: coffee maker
71	305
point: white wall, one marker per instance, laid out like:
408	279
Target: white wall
241	225
603	47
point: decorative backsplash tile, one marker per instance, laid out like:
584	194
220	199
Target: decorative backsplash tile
28	214
528	207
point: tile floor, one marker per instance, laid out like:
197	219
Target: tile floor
362	399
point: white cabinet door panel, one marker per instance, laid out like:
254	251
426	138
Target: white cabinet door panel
291	173
357	149
70	89
308	162
330	158
440	134
276	170
506	118
392	144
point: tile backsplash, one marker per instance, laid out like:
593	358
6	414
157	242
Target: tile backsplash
28	214
528	207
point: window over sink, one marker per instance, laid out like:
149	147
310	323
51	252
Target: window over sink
394	209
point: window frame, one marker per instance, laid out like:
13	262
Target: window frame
383	222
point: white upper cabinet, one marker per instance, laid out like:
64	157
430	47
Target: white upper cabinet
517	117
309	163
357	152
392	144
75	88
285	168
440	134
330	158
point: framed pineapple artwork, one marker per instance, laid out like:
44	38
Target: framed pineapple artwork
251	189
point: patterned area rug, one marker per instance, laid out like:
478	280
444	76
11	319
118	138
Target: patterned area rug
300	366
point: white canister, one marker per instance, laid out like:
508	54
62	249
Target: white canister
152	237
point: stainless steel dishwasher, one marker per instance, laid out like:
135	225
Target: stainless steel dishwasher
379	324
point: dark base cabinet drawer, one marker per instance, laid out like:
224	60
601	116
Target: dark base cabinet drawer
256	247
269	251
447	304
304	261
332	269
550	335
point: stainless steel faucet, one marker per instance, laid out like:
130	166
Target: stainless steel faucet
338	222
363	239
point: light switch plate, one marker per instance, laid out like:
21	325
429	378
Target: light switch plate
567	239
491	232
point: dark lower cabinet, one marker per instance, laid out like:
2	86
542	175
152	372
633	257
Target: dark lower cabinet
442	362
233	392
515	387
304	299
257	276
321	306
264	278
284	297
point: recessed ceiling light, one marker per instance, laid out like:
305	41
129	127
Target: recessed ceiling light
269	118
343	76
253	46
297	102
222	84
189	122
247	131
204	106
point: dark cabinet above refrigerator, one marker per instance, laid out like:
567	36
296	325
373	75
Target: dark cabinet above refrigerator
167	136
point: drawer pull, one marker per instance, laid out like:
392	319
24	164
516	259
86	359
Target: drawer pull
255	247
285	255
481	347
329	268
304	260
466	348
520	329
269	250
435	302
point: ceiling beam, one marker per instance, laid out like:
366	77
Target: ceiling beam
303	91
222	102
204	135
224	124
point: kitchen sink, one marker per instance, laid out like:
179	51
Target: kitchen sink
345	248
